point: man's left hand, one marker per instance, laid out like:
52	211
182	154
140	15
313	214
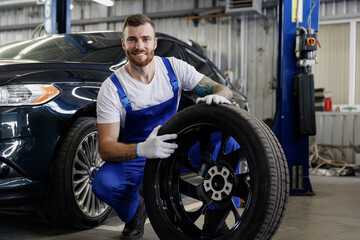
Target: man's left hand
213	98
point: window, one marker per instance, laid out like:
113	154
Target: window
357	73
332	71
89	48
337	70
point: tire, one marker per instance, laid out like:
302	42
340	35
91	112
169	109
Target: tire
262	182
69	200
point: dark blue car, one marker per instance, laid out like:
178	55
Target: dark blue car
48	135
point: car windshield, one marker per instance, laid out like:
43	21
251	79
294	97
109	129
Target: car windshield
86	48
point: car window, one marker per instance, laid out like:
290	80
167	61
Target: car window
86	48
221	78
167	48
200	64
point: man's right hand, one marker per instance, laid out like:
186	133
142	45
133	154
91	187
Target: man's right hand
155	146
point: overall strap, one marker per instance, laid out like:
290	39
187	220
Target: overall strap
120	91
171	74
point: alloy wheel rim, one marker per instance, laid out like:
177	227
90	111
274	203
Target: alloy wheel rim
218	184
86	163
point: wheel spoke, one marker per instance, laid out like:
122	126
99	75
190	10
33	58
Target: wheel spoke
93	149
94	208
88	200
82	187
234	158
83	198
216	218
205	146
184	161
191	190
86	153
80	172
236	213
243	186
81	180
224	140
99	205
186	140
81	163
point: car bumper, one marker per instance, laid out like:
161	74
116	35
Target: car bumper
18	192
28	140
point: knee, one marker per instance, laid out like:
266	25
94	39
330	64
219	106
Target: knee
100	188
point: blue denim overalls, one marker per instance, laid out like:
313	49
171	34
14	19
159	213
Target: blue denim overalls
117	183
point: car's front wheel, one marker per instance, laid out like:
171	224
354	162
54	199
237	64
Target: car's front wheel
69	200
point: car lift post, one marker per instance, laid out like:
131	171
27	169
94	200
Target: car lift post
57	16
295	144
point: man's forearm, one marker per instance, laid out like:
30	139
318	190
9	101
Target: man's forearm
208	86
117	152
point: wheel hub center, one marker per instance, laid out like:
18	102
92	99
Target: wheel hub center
218	182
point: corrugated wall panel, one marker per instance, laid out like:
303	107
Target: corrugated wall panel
251	58
339	129
261	68
339	9
19	16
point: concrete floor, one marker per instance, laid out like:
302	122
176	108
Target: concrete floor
333	213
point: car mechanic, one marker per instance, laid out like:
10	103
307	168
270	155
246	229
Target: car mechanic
135	101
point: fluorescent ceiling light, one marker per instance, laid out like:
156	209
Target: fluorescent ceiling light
108	3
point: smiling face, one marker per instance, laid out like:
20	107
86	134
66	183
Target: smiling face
139	43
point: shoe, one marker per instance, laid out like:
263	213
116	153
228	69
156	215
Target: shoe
134	229
208	226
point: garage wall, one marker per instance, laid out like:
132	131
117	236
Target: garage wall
246	45
222	38
18	23
341	130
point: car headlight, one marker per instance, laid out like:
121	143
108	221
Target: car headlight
27	94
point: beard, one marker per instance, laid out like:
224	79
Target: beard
140	63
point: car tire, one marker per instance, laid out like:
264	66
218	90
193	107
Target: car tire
69	201
262	180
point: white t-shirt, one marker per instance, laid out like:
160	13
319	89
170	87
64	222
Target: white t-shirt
141	95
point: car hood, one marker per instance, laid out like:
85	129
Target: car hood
23	71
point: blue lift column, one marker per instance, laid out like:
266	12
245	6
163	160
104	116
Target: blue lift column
57	16
295	114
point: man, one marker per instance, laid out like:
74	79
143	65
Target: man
135	101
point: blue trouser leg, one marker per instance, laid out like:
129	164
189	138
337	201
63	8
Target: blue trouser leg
117	185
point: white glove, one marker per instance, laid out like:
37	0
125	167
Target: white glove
155	146
213	98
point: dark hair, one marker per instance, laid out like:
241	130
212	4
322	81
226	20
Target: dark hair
137	20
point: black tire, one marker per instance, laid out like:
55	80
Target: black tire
69	200
262	184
